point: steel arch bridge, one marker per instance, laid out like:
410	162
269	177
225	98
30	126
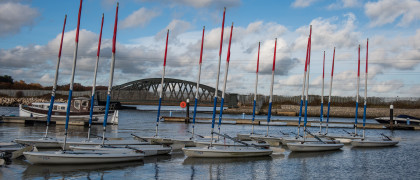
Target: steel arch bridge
174	91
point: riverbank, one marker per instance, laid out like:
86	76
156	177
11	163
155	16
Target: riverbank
313	111
14	102
281	110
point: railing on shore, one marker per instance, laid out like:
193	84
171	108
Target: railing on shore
406	102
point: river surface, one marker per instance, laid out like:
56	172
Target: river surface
400	162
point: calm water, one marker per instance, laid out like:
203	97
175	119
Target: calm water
401	162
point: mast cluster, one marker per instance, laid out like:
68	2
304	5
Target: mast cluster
305	85
73	75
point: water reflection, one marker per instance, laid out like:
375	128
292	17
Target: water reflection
226	168
303	155
81	170
202	161
348	163
156	159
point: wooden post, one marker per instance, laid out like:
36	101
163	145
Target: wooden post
391	116
187	118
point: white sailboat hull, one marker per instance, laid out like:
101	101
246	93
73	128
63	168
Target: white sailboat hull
55	143
285	141
273	141
342	138
41	143
71	157
13	150
230	144
243	137
226	152
176	144
310	147
148	150
373	143
107	142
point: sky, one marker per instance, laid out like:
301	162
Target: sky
30	34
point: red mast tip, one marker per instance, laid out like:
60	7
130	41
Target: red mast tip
114	39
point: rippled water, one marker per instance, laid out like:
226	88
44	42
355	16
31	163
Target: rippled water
399	162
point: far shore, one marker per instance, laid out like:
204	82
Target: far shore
282	110
335	111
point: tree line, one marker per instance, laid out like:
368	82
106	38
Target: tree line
7	82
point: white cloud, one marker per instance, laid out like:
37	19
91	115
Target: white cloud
327	33
341	4
387	86
39	61
400	53
144	57
46	79
411	91
176	27
302	3
200	3
139	18
14	16
108	3
387	11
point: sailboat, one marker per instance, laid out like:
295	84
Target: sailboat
47	141
305	146
198	84
176	144
79	106
273	141
299	138
81	157
371	142
225	151
247	136
346	139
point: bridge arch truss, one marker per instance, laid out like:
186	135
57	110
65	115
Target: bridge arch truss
174	91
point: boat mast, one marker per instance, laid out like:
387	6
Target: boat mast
198	81
270	103
72	76
366	78
322	96
94	78
218	74
256	85
161	84
55	79
225	80
329	98
111	75
304	83
357	96
307	88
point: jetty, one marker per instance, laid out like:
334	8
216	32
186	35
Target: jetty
277	122
43	120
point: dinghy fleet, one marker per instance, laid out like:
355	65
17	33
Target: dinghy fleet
217	144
